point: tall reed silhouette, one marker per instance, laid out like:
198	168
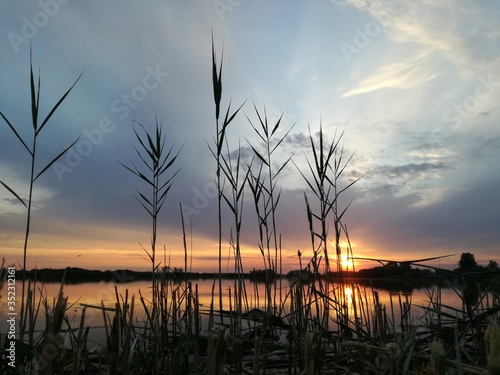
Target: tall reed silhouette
35	171
220	138
266	195
326	171
156	172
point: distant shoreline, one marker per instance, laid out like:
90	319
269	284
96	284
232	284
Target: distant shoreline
73	275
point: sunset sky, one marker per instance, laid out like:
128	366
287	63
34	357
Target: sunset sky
414	85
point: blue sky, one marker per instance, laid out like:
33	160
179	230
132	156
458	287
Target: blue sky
414	85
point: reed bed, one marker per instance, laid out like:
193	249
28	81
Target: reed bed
305	324
373	338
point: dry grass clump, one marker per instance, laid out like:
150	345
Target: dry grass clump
51	351
492	338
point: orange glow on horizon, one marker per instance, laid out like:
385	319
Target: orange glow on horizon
117	251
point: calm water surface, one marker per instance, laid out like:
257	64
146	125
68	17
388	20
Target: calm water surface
104	293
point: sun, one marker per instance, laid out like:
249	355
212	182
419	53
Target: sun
345	262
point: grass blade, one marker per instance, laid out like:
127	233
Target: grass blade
57	104
16	133
138	174
216	81
55	159
259	156
143	205
13	193
34	96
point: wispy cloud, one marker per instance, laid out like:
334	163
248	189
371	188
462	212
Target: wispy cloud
402	76
412	170
444	27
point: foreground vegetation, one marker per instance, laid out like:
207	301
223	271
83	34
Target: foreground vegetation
306	325
363	335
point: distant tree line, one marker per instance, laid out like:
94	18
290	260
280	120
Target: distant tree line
402	276
267	275
391	272
395	270
467	263
73	275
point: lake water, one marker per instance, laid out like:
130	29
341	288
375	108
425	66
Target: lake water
96	294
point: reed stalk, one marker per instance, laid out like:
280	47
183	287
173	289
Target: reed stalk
438	359
51	348
216	352
35	172
326	172
78	343
266	194
312	352
492	337
236	177
220	139
157	174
